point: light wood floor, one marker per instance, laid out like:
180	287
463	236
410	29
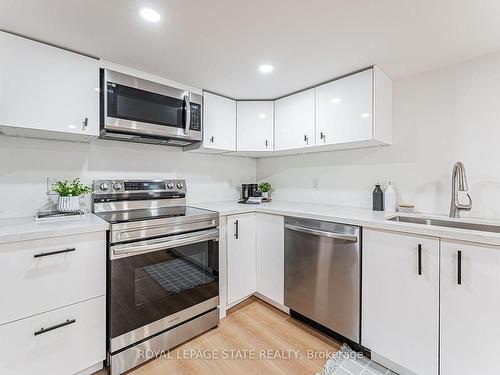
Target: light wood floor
253	328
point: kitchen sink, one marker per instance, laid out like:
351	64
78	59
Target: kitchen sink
447	223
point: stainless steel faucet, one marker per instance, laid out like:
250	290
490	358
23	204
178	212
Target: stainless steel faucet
459	184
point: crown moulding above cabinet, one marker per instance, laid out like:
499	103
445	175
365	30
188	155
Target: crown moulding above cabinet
354	111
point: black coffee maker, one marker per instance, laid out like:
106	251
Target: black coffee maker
249	190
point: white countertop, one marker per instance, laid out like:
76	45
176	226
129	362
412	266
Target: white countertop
356	216
23	229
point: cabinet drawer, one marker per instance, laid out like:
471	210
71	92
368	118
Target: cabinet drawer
78	344
41	275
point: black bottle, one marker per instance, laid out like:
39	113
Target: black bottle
378	198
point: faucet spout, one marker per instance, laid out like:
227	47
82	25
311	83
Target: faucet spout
459	184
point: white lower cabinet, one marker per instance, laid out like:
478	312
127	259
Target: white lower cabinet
470	308
44	274
400	300
270	256
59	342
241	277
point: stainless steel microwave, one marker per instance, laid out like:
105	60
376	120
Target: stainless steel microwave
138	110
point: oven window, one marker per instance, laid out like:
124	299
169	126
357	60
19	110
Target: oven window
138	105
148	287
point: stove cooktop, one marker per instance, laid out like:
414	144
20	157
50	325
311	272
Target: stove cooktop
115	217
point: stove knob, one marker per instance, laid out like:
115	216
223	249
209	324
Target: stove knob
170	185
179	185
104	186
117	186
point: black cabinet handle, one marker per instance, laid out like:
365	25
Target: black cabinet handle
39	255
419	259
459	267
236	229
266	143
212	139
45	330
85	123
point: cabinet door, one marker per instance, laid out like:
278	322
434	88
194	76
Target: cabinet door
255	122
295	121
400	304
219	122
270	256
344	109
47	88
240	257
470	306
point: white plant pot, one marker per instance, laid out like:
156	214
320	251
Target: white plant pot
265	195
68	204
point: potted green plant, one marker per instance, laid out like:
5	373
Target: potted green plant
265	189
69	194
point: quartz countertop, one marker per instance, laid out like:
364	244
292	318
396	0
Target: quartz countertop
357	216
24	229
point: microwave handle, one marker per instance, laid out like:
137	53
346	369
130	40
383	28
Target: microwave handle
187	112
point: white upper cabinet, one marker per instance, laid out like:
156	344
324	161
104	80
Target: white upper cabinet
219	123
47	92
255	122
355	108
294	123
344	111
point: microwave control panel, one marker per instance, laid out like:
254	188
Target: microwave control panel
195	117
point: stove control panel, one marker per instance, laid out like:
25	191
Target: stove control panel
140	186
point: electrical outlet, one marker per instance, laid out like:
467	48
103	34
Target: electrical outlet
315	183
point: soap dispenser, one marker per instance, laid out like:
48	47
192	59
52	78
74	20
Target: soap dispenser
378	198
390	198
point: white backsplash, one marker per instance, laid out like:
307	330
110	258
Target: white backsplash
25	165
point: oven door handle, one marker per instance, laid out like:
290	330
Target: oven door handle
187	112
121	251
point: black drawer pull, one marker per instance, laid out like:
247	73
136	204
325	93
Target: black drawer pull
39	255
236	229
45	330
459	268
419	259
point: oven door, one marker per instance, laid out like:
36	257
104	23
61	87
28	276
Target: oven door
137	106
159	283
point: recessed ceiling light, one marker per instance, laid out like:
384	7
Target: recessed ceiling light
335	100
150	15
262	115
365	115
266	68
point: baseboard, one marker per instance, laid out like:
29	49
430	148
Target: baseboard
391	365
92	369
279	306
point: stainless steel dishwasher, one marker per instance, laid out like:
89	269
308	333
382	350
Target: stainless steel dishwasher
323	274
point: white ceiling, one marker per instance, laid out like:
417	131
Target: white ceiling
219	44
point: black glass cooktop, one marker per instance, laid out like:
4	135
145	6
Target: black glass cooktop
150	214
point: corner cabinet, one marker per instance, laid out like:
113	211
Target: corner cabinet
219	123
355	109
241	276
470	306
400	300
47	92
255	126
294	123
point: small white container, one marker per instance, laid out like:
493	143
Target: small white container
390	198
68	204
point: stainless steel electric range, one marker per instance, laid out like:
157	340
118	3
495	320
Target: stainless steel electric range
163	271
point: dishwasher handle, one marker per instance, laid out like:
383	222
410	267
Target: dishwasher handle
339	236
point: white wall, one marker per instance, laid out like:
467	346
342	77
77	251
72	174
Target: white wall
26	163
440	117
